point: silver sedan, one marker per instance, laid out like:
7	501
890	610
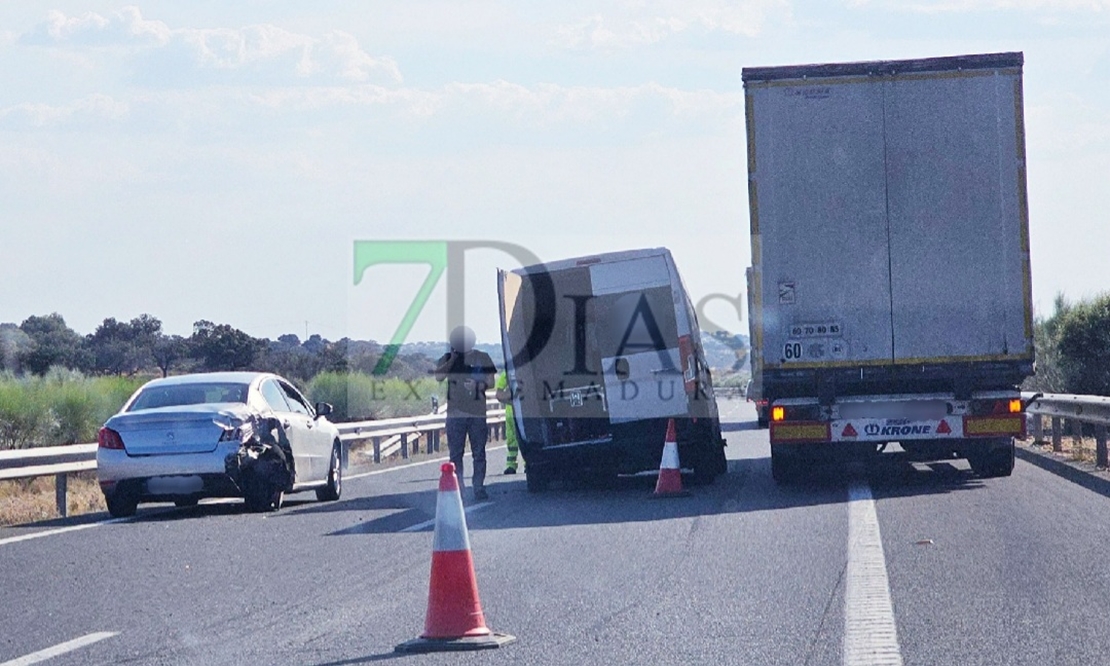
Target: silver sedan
228	434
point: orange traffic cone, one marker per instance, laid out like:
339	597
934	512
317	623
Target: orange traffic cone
454	620
670	473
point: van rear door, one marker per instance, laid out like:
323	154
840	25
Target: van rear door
636	327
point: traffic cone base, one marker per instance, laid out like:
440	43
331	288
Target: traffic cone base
454	620
467	644
670	472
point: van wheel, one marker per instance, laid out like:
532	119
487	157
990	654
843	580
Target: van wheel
705	465
334	489
538	479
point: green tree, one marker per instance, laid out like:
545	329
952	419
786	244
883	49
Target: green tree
168	351
1050	376
222	347
119	348
1084	346
52	343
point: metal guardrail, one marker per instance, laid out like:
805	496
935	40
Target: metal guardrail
388	436
1058	407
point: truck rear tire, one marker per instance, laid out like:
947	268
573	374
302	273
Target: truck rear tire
784	466
993	462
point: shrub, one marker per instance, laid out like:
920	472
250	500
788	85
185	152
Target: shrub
357	396
26	419
63	407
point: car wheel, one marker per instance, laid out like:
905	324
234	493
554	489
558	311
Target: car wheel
186	502
334	489
260	495
121	506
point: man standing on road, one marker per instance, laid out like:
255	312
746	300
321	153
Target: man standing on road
505	397
469	373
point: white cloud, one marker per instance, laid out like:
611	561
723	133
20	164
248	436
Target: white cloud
940	6
96	107
266	50
647	23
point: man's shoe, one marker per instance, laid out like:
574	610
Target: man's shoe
481	494
510	470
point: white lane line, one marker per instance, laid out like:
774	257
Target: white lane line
60	649
351	477
58	530
870	634
230	500
428	523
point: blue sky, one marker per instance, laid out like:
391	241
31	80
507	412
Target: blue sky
216	160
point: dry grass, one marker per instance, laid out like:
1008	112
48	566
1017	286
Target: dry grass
31	500
1074	447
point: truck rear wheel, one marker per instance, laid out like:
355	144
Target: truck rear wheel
993	461
784	466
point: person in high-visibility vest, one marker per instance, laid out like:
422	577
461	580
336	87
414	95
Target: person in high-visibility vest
505	397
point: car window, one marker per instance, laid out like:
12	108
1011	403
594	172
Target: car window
296	402
176	395
274	396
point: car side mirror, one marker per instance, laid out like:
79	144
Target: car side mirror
324	409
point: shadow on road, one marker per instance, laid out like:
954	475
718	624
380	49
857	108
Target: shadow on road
746	488
738	426
368	659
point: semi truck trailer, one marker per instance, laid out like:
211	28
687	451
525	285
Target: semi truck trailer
890	279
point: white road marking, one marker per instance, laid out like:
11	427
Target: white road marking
59	530
228	500
351	477
429	523
60	649
870	634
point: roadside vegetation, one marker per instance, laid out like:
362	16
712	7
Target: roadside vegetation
1073	345
58	387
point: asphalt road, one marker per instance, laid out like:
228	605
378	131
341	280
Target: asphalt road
955	570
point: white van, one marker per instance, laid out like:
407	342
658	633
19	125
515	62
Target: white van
601	352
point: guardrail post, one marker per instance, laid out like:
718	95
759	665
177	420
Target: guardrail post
1057	445
405	445
434	435
60	481
377	450
1038	428
1100	447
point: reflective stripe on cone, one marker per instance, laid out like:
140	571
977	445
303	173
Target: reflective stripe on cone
670	472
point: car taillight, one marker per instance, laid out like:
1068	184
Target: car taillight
109	439
778	414
232	435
